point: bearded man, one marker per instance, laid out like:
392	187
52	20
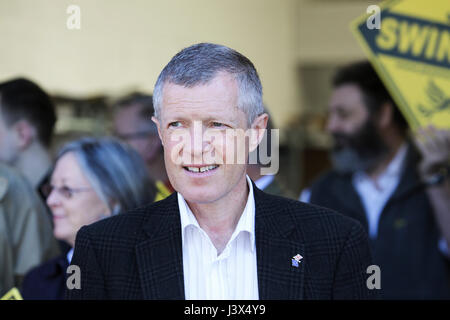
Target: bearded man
396	187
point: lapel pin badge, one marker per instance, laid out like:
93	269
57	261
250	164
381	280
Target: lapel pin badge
296	260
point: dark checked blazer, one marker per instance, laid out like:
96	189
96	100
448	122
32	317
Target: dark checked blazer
138	254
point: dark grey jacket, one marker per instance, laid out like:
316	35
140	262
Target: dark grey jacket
406	248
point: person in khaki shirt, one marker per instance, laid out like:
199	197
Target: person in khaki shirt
26	237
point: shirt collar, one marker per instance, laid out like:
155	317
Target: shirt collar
264	181
393	170
69	255
246	221
396	165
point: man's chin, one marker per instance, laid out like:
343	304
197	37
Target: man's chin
348	161
200	197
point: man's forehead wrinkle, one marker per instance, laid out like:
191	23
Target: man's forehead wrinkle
211	106
199	112
195	100
218	77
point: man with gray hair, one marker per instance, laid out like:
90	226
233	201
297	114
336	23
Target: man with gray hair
218	236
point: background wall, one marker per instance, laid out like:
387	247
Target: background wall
125	44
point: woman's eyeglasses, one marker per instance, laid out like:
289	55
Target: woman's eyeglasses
64	191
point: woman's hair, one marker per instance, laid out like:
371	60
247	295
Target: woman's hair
116	172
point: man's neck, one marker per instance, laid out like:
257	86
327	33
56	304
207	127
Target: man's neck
34	163
394	147
254	171
220	218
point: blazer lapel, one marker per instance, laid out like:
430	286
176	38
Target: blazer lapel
277	277
159	256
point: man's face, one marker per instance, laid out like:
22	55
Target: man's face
357	143
9	148
347	113
189	118
138	132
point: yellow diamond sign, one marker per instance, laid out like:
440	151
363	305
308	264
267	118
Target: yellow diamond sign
410	50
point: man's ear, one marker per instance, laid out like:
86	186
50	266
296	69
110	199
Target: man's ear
385	115
25	133
258	128
156	121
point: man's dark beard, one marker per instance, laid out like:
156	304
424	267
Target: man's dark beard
360	151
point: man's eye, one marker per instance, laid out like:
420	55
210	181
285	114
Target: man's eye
217	125
175	124
342	114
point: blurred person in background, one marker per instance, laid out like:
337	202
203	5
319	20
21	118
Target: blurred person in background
269	183
397	187
26	238
27	121
132	124
93	179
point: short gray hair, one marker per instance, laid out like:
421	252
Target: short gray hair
200	63
116	172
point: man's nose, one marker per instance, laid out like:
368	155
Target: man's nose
198	142
332	124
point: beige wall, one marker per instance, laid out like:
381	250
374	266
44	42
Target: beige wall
123	45
323	41
323	30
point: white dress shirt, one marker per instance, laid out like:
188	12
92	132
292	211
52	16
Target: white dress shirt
232	274
264	181
69	255
375	194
